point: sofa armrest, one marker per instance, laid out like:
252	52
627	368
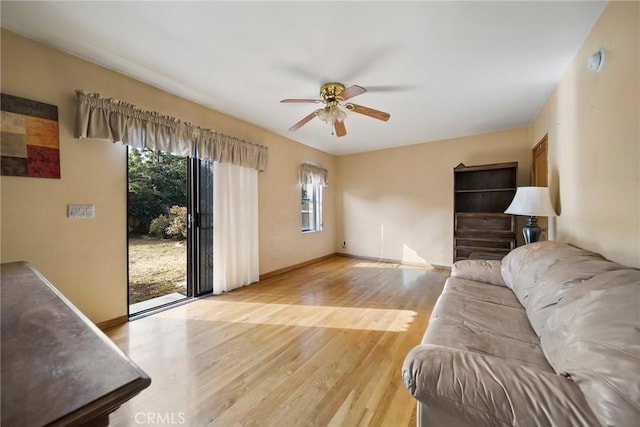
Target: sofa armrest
488	391
480	270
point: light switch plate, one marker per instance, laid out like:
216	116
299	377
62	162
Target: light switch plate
80	211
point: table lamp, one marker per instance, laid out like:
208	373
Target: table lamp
533	202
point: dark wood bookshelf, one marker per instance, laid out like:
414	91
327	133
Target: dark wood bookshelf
481	195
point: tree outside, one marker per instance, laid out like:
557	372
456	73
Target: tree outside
157	181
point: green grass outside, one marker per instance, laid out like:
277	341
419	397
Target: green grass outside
156	268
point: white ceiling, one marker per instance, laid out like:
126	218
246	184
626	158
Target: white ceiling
441	69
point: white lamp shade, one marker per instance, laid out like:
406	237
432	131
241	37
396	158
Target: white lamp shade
531	201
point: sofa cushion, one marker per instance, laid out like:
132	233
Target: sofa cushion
593	337
540	274
484	319
486	271
558	280
478	390
521	268
481	292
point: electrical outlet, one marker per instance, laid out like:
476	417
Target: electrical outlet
80	211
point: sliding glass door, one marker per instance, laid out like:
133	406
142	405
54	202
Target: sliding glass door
202	226
170	229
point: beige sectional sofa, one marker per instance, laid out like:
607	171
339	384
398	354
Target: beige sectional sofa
549	336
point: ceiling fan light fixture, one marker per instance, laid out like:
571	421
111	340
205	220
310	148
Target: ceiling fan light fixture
338	114
331	114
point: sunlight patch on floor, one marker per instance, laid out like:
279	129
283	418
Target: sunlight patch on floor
374	264
381	264
373	319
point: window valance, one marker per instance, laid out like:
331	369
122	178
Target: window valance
311	174
118	121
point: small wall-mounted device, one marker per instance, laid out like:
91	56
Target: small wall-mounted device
596	61
80	211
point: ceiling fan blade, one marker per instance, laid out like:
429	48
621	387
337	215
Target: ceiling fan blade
303	121
352	91
376	114
300	101
390	88
341	130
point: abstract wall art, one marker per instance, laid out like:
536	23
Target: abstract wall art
29	144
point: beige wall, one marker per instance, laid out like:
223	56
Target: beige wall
398	204
86	259
392	204
593	122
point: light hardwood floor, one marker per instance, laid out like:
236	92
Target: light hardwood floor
321	345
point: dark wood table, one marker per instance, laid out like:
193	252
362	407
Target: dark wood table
58	368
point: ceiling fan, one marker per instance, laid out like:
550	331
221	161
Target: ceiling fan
333	96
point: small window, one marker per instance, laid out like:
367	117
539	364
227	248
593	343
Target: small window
311	207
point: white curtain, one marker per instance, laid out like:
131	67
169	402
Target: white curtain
235	227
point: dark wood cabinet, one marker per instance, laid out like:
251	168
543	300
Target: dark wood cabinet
481	195
58	368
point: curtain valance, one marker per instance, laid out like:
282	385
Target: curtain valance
311	174
118	121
